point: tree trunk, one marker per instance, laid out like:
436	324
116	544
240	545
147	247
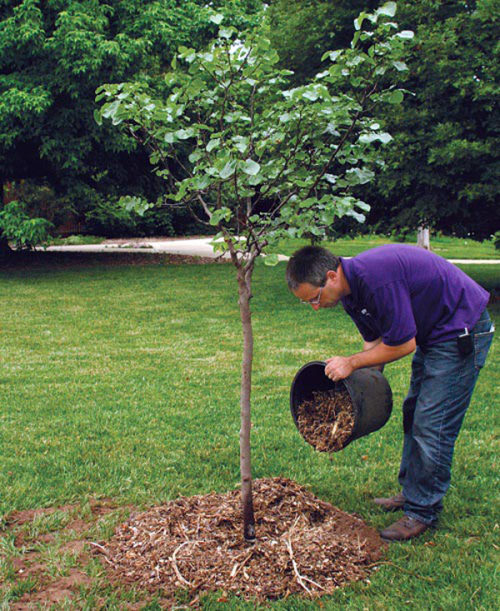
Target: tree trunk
423	239
7	190
244	290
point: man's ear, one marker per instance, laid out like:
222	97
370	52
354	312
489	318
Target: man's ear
332	275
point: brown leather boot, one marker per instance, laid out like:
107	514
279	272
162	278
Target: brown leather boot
404	529
392	503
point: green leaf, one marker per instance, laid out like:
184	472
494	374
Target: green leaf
310	94
200	182
358	22
396	97
271	260
388	9
195	156
359	176
184	134
332	55
405	34
228	170
308	203
135	204
401	66
213	144
217	18
363	205
108	110
381	136
241	143
361	218
250	167
226	33
223	214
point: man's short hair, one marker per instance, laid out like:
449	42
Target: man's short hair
310	264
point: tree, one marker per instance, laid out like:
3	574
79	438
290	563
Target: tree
330	25
53	55
442	170
263	160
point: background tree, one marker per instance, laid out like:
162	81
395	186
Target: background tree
302	30
53	55
265	161
443	169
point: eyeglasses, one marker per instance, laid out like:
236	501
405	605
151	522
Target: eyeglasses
314	300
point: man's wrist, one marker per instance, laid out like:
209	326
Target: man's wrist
353	360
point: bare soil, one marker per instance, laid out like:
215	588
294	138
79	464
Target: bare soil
30	569
326	421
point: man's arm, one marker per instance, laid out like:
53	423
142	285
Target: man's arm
340	367
369	345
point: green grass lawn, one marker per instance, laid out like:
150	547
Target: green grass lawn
445	246
123	382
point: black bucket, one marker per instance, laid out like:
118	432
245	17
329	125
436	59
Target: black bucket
368	389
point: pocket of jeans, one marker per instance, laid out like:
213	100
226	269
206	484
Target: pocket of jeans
482	343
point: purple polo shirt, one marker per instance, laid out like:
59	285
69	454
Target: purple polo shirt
399	292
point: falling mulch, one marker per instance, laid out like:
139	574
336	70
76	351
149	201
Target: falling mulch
304	546
326	421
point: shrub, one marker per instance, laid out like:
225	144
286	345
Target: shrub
18	227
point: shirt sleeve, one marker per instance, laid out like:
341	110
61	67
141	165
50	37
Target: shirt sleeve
394	314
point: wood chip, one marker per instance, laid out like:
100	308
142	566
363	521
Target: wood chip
304	546
326	420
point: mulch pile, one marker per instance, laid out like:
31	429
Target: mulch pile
326	421
304	545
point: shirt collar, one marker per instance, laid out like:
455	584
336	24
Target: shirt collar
347	265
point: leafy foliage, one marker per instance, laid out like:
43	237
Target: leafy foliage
442	169
330	25
54	54
263	159
24	231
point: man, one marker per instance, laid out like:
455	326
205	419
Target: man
402	299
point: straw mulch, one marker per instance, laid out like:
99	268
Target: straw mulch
303	546
326	421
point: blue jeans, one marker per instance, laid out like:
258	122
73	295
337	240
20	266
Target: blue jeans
441	387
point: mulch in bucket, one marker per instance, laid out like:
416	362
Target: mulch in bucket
326	421
304	546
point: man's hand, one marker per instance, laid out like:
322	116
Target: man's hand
338	368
